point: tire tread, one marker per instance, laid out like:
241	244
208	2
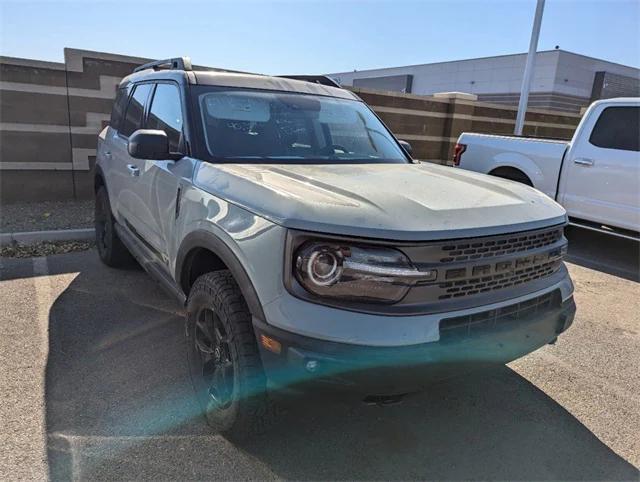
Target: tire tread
255	409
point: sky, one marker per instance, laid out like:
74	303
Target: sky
312	37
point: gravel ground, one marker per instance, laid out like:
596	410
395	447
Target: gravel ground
44	249
46	215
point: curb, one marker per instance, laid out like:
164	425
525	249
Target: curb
34	237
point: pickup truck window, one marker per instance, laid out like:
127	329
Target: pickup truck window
242	125
165	113
133	118
617	128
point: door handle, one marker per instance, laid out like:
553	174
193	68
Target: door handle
583	162
134	171
107	154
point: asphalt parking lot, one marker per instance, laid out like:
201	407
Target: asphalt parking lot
94	386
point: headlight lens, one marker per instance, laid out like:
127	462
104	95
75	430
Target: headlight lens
357	273
324	266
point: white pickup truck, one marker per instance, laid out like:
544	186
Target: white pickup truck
595	176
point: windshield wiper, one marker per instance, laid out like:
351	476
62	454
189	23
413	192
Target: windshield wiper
265	158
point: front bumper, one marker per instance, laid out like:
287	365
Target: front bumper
466	342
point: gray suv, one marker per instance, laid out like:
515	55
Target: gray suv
310	249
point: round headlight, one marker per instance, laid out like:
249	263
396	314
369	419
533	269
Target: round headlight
355	272
323	266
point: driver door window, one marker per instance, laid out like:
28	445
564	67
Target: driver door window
166	114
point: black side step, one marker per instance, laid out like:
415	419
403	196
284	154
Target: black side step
591	226
150	265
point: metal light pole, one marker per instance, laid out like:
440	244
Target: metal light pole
528	69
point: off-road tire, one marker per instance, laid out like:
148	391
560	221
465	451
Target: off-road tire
111	250
250	411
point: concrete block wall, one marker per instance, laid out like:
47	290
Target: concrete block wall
432	124
51	114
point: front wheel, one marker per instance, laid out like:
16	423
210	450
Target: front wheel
224	363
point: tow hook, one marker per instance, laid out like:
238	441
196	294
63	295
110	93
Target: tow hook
384	400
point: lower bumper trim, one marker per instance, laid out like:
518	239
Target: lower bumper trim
466	343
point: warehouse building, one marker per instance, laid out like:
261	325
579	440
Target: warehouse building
562	80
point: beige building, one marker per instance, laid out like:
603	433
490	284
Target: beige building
562	80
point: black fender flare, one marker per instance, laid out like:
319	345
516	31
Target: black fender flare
207	240
98	173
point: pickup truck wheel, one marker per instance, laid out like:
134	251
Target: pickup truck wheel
224	362
111	250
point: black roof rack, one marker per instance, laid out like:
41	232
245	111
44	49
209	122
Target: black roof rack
316	79
178	63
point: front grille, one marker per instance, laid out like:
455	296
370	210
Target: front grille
488	268
473	286
499	246
462	326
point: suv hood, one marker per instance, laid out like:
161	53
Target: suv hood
389	201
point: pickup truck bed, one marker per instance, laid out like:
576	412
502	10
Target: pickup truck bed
488	153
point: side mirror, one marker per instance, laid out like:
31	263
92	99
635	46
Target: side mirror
407	147
150	144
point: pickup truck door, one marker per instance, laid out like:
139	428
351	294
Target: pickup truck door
600	179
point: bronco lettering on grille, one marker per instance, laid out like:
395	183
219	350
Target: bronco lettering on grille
504	266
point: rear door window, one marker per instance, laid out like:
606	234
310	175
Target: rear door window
135	111
165	113
617	128
119	106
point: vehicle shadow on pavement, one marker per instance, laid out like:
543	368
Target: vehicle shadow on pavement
601	252
490	426
119	405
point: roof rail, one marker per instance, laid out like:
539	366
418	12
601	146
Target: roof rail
316	79
178	63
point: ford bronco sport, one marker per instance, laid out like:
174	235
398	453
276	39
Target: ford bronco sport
309	248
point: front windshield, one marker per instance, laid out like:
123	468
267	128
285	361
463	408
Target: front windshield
267	126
